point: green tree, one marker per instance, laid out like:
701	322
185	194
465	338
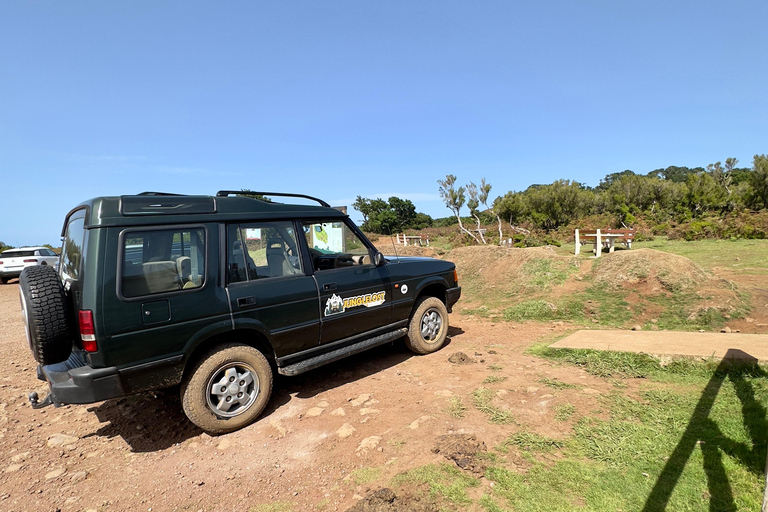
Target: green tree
704	194
454	200
511	206
555	205
473	204
485	190
757	195
4	246
390	217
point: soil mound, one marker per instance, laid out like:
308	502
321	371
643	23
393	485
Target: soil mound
496	264
656	270
385	500
464	450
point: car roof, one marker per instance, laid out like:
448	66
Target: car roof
19	249
154	208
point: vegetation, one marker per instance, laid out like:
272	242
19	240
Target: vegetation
718	201
390	217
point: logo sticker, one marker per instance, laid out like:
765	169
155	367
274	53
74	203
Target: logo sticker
335	304
404	289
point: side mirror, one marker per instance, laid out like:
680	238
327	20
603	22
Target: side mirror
378	259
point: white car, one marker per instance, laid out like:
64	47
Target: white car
13	261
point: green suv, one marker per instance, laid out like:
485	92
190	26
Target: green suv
216	293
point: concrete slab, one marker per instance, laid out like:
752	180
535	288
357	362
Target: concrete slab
694	344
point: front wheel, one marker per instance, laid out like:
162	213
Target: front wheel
227	389
428	327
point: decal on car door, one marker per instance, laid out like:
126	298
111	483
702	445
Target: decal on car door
335	304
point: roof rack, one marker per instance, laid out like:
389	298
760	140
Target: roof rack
158	194
225	193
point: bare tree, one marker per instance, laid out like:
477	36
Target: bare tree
454	199
473	204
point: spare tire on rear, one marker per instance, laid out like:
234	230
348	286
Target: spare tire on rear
44	310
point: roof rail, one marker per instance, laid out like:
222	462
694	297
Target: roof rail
158	194
225	193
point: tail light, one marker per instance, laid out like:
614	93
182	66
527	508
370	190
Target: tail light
87	331
30	261
1	262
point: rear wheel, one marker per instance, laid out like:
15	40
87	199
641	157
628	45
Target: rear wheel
428	327
227	389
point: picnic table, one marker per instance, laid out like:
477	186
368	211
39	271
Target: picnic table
603	238
404	239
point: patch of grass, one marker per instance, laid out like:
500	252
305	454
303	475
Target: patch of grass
493	379
531	441
564	412
456	408
557	384
364	475
542	310
543	273
741	256
495	367
442	480
482	399
273	507
602	363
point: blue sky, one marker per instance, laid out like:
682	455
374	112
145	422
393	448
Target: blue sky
346	98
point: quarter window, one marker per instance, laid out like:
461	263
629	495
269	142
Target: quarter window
159	261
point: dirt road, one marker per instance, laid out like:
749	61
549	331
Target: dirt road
327	438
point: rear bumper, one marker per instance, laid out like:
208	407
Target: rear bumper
10	274
83	385
452	297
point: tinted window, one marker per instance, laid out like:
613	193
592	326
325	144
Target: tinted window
163	260
17	254
260	250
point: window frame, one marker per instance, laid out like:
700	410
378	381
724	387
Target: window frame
352	227
121	261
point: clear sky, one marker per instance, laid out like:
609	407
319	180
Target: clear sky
362	97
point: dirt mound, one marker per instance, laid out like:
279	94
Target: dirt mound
655	269
385	500
464	450
460	358
496	264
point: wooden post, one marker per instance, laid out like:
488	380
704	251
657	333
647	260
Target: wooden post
577	250
598	244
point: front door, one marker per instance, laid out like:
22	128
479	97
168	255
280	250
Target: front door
268	289
355	294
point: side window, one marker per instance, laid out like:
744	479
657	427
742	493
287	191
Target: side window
163	260
259	250
72	250
335	245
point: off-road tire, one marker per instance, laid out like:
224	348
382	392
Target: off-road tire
196	387
44	311
428	326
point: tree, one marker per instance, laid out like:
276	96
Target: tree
249	193
473	204
454	199
757	196
704	193
552	206
4	246
485	190
386	218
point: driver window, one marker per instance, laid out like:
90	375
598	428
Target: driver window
334	245
260	250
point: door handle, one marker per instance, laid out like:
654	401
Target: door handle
244	302
329	287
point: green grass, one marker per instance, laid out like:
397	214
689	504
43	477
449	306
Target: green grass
273	507
557	384
691	437
456	408
564	412
493	379
495	367
482	397
741	256
531	441
541	274
365	475
444	481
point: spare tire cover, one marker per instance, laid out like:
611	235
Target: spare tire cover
44	311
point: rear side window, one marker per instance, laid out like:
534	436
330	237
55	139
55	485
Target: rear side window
261	250
72	250
162	260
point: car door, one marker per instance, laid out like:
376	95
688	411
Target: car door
355	294
268	288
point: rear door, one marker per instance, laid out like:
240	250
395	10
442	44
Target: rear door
355	294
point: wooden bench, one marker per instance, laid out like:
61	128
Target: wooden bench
603	238
404	239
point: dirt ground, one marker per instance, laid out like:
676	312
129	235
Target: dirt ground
384	411
328	439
